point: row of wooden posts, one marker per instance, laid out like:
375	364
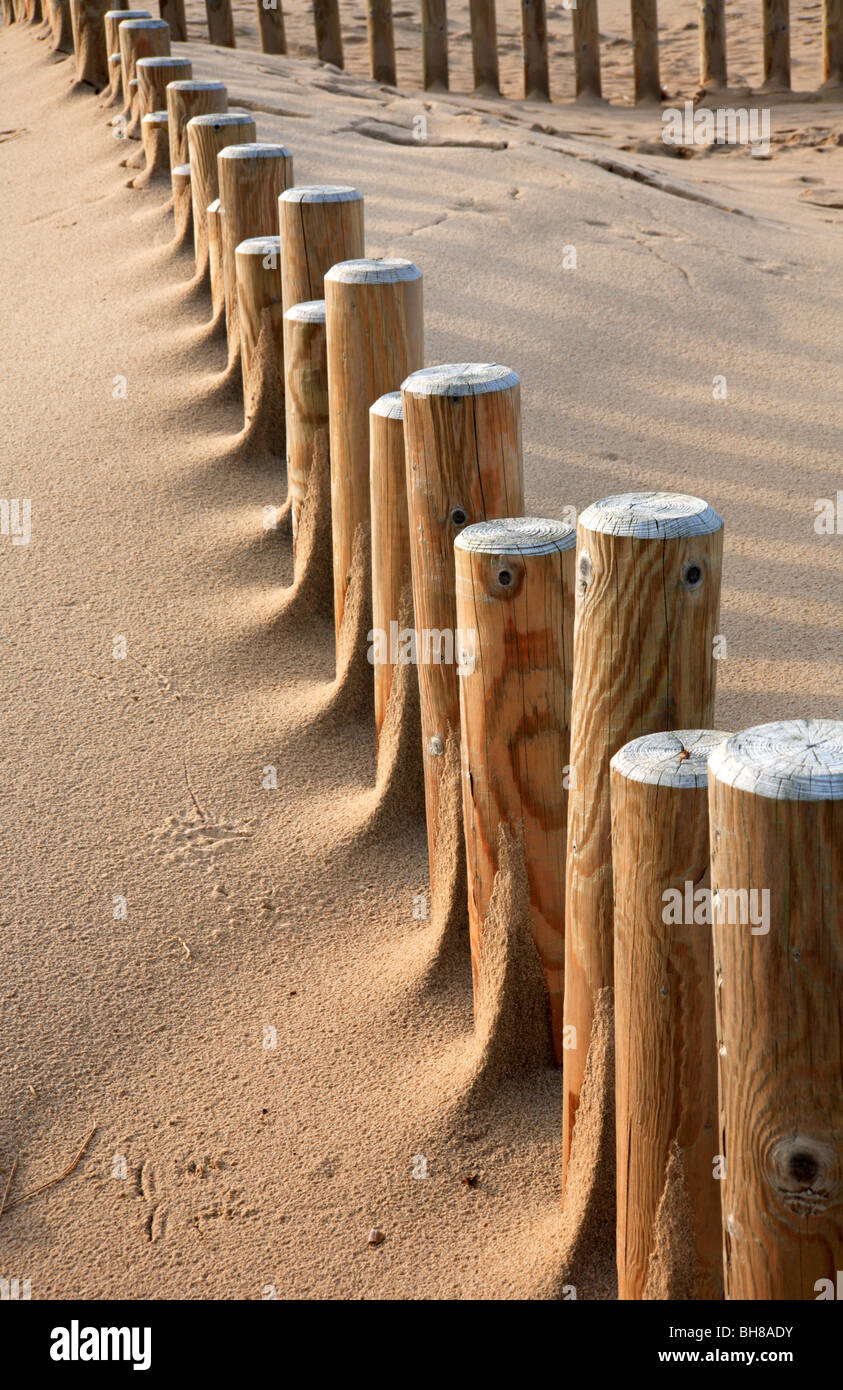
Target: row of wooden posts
775	24
579	700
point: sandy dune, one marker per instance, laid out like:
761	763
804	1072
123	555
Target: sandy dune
270	1043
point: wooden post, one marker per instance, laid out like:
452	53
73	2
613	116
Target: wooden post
645	47
258	275
186	99
113	94
648	595
833	43
220	23
62	29
139	38
587	50
712	43
462	433
320	225
326	25
173	12
390	536
305	397
214	245
381	41
435	44
251	176
534	50
484	46
374	335
515	618
776	815
776	20
156	147
111	21
271	26
154	76
665	1050
207	135
88	22
182	207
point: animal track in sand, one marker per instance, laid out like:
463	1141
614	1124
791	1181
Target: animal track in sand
195	838
154	1225
12	134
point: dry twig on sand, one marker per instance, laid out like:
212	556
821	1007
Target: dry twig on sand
51	1182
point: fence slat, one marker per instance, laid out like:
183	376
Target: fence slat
271	26
586	49
833	43
326	27
645	50
776	21
220	23
712	43
484	45
435	44
381	41
534	49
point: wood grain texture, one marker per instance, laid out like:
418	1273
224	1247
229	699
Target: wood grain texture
250	179
139	38
182	204
305	397
390	533
462	435
327	32
645	50
435	44
381	41
258	269
271	26
665	1048
712	43
534	50
515	616
484	45
207	135
320	225
586	50
776	824
833	43
87	19
187	98
374	334
775	18
214	233
111	21
156	146
173	12
648	598
153	76
220	23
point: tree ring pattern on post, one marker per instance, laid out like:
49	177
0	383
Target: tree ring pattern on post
386	270
648	515
322	193
794	760
461	379
675	758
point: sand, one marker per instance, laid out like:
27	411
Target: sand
275	1043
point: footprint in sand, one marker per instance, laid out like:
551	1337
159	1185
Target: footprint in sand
196	838
154	1222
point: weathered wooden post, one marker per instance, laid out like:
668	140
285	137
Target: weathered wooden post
381	41
139	38
712	43
220	23
88	24
271	26
665	1049
156	147
214	258
776	20
173	12
586	32
320	225
776	821
258	273
305	399
61	27
484	46
374	336
833	43
435	44
326	26
182	204
514	645
645	50
186	99
390	536
111	21
251	176
534	50
462	433
648	597
154	75
207	135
